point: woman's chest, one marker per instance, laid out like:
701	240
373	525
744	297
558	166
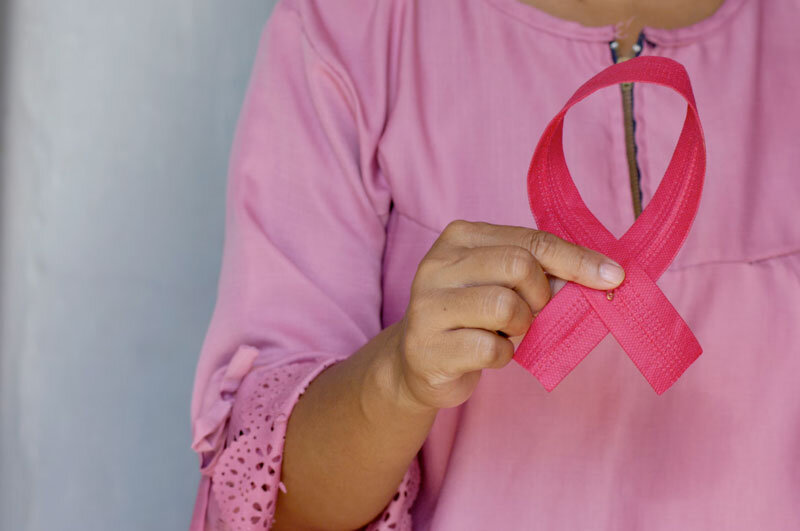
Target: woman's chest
460	140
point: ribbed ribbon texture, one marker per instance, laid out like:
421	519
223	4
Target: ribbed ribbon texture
637	313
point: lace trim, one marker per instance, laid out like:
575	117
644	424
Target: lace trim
246	478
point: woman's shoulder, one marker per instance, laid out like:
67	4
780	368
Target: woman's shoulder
356	40
350	21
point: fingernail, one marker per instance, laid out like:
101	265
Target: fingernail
611	272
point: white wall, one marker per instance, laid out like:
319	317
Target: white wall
116	126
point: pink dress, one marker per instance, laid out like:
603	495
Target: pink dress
368	126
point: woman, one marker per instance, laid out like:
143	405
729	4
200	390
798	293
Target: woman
368	128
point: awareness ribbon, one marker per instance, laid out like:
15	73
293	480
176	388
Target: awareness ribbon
637	313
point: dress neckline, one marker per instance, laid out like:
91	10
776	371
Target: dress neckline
574	30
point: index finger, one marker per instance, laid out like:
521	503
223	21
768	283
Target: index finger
557	257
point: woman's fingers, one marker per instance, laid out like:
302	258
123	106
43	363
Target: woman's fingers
491	307
557	257
470	349
504	265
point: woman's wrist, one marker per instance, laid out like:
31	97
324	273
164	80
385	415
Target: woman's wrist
385	390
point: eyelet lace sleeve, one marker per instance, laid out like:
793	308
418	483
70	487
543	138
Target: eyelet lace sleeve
246	479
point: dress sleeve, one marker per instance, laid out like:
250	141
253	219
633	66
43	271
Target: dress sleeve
300	284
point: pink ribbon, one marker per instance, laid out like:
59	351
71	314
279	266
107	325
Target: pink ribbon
637	313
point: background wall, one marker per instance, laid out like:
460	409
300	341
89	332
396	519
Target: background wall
117	118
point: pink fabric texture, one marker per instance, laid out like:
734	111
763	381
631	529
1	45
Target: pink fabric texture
637	313
368	126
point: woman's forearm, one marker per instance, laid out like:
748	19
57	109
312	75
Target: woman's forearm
350	440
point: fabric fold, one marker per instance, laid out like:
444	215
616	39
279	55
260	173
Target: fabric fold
209	428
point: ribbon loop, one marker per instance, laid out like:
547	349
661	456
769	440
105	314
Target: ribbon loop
638	315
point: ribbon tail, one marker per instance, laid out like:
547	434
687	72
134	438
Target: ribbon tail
649	329
560	337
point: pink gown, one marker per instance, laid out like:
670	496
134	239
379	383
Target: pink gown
368	126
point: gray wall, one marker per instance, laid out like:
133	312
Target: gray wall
117	119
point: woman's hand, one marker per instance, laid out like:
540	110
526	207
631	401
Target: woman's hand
361	422
474	296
